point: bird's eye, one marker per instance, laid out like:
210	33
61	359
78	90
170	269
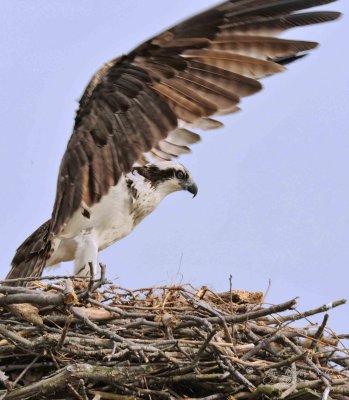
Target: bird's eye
180	175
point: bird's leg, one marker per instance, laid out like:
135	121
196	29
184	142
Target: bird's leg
86	252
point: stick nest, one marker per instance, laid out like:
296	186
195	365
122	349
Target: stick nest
90	340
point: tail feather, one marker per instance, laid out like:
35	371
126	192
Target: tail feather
31	256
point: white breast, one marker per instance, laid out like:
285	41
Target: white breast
110	219
113	218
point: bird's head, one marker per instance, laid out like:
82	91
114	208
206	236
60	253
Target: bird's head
167	177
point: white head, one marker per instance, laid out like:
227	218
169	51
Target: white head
167	177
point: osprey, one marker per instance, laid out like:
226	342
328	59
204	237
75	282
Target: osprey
138	113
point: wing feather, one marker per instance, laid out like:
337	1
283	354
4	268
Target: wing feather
237	63
269	26
31	255
183	137
173	149
140	104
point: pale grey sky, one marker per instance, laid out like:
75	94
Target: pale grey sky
273	184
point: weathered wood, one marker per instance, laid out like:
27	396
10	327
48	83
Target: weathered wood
162	343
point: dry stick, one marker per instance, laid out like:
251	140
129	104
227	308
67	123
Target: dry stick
231	293
174	395
209	308
20	376
264	330
65	331
135	390
111	396
237	318
237	375
16	367
343	390
18	340
91	373
111	355
278	334
257	339
150	393
212	397
342	361
193	320
204	346
293	386
120	311
202	304
89	345
267	290
4	394
284	363
256	314
51	286
14	290
175	372
55	363
41	299
74	392
190	378
323	308
343	336
83	389
143	322
324	377
327	389
320	331
226	364
77	339
111	335
314	384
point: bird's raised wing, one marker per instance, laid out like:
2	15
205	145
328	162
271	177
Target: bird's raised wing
136	105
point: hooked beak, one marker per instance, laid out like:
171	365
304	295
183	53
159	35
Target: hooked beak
191	188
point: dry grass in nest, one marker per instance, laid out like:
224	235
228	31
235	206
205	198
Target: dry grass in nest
91	340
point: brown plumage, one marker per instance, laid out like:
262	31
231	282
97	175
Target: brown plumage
31	254
133	105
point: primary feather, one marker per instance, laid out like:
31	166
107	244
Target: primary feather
138	107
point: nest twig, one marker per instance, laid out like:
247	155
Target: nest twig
73	340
